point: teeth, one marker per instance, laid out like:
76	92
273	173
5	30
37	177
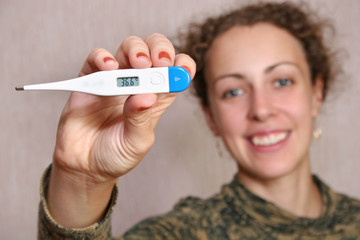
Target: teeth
269	139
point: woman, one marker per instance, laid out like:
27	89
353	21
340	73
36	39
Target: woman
263	72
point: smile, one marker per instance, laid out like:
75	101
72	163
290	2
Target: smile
269	139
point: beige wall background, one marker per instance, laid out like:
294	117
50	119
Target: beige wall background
43	41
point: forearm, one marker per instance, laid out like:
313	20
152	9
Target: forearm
74	201
49	228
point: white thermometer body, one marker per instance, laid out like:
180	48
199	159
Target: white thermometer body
122	82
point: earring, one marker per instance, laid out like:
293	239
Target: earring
317	131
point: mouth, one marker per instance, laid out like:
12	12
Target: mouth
270	139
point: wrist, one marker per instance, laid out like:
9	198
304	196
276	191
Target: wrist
75	200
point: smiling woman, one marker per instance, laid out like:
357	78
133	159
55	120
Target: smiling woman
267	128
263	73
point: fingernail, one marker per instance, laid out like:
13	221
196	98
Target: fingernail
107	59
187	68
141	54
164	55
143	109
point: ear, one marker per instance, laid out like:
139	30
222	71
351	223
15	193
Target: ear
318	88
210	120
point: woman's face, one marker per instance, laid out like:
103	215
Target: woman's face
262	102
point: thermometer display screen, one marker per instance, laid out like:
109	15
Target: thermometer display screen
127	81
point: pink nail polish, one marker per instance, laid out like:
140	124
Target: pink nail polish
141	54
164	55
143	109
106	59
187	68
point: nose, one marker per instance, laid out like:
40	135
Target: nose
261	106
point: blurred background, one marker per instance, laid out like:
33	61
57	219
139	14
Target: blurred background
43	41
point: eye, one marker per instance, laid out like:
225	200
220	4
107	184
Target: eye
283	82
233	93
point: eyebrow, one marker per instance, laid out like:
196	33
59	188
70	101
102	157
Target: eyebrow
272	67
233	75
267	70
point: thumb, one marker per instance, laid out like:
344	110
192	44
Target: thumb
138	126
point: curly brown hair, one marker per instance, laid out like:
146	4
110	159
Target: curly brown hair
298	21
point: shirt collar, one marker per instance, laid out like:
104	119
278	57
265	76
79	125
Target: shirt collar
243	201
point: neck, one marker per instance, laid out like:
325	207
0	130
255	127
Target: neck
295	192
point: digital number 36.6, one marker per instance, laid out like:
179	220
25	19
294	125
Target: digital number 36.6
128	82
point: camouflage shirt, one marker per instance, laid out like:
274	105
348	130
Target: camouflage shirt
234	213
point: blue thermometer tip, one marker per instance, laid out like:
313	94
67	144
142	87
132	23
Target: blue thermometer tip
179	79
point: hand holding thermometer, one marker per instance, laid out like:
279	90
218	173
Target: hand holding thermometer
122	82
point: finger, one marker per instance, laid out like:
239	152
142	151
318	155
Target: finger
162	51
99	59
185	61
138	127
133	53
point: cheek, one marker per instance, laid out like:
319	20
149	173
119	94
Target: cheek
230	119
297	108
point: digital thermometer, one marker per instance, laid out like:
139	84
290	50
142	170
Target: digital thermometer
122	82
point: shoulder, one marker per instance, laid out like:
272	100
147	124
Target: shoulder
338	204
341	208
190	218
346	213
347	205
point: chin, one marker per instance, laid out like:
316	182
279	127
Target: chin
270	170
